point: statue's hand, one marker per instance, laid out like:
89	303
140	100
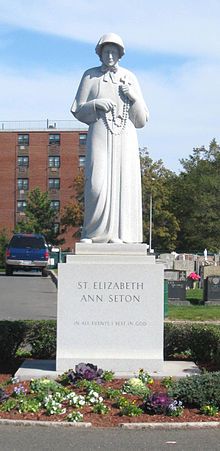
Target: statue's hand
128	92
104	104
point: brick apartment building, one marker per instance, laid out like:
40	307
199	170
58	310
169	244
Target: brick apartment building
45	154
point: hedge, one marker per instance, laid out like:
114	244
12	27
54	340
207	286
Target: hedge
38	336
198	390
201	341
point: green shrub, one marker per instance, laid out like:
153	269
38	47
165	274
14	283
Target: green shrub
42	339
205	343
198	390
4	239
176	339
201	341
27	338
12	335
194	295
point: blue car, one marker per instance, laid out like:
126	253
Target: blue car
26	252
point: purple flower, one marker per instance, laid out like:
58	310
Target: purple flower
86	371
19	390
157	403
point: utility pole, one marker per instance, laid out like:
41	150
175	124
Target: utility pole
150	219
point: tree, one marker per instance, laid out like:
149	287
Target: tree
196	200
40	217
72	214
4	239
157	181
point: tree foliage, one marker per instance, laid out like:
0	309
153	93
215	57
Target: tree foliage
196	200
4	239
40	217
157	181
72	214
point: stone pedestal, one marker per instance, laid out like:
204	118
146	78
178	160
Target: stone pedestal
110	309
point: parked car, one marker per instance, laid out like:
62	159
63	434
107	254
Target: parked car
27	252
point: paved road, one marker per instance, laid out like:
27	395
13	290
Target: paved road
35	438
27	296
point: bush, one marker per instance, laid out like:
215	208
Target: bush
12	335
16	336
176	339
195	296
4	239
202	341
198	391
42	339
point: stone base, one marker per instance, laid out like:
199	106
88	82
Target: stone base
110	308
111	249
120	366
35	369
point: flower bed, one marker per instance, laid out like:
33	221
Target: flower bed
92	395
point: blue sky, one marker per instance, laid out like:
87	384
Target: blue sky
172	46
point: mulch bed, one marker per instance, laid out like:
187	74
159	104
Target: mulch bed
112	418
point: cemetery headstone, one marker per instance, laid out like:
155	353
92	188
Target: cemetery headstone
212	290
176	291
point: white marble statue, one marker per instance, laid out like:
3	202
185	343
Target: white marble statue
109	100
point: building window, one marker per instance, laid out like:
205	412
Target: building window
82	139
23	184
56	228
54	139
54	161
23	140
23	161
54	183
82	161
21	205
55	204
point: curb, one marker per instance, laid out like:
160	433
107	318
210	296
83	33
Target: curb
128	426
53	277
186	425
44	423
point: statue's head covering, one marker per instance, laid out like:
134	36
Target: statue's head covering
110	38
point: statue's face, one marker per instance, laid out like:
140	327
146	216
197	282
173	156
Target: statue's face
110	54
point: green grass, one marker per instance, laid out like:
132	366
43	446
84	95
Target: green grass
194	294
194	312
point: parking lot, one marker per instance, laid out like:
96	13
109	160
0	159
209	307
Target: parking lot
27	295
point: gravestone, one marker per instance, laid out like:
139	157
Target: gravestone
212	290
177	292
174	274
110	309
210	270
167	260
184	265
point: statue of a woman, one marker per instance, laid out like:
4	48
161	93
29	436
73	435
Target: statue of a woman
109	100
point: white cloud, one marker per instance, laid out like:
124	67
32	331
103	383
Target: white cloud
39	96
184	104
174	26
185	111
184	108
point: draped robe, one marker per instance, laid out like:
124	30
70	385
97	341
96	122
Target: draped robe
113	203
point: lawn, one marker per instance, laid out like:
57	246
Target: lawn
194	312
